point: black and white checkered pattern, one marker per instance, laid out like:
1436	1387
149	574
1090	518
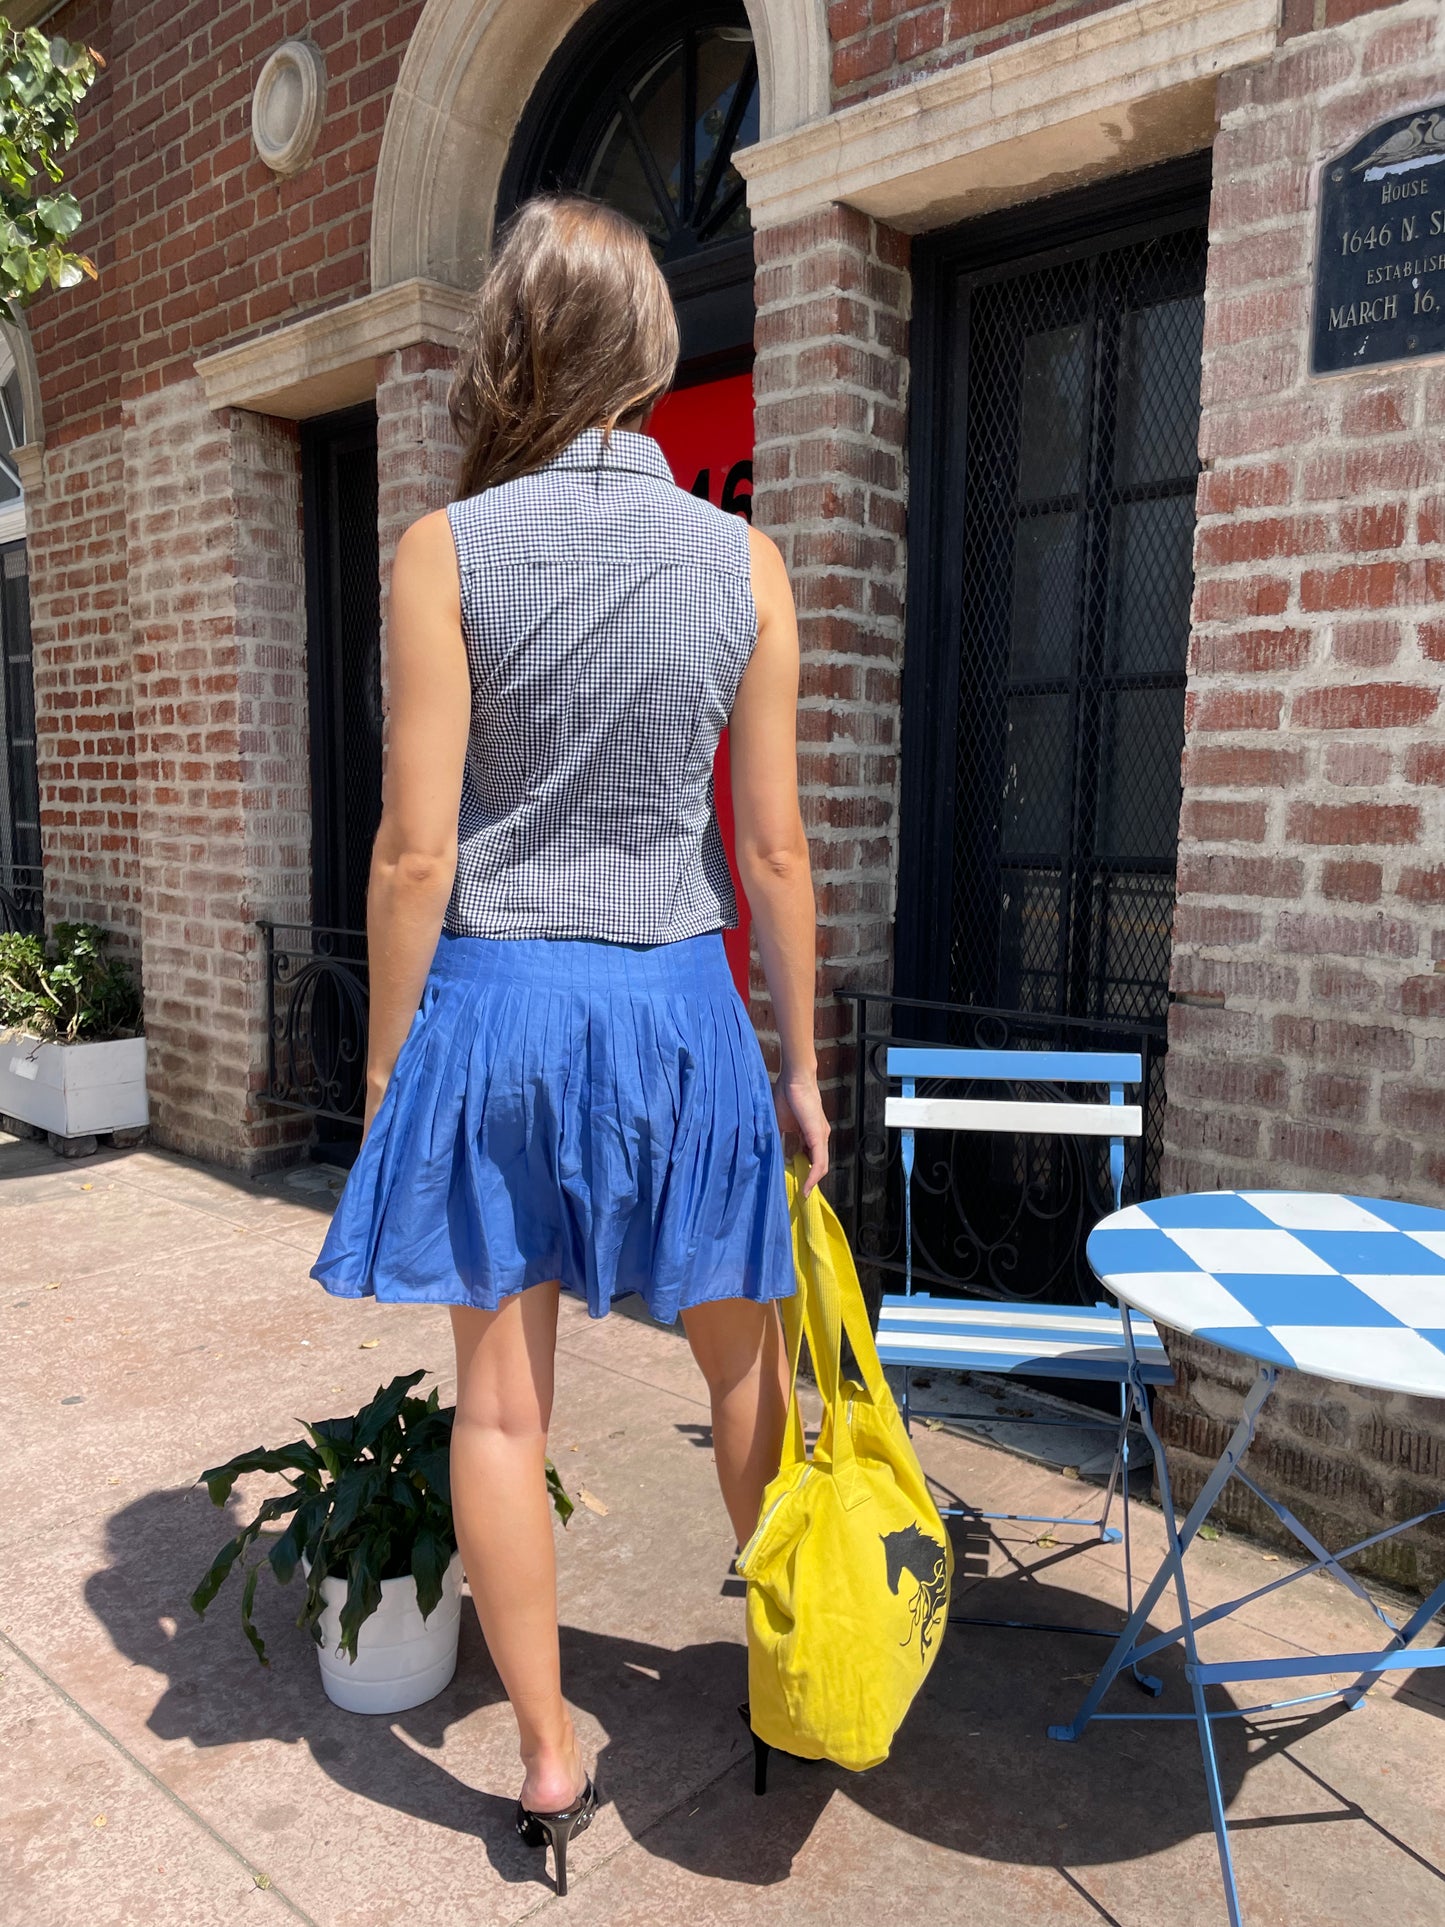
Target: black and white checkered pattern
608	618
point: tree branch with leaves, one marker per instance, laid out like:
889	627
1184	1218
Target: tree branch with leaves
42	80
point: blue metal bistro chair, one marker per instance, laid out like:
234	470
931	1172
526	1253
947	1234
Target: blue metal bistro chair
1033	1340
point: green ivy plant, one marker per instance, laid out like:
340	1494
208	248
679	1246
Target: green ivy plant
369	1499
70	990
41	81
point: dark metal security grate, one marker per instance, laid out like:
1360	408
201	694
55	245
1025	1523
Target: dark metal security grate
1054	433
1077	533
22	899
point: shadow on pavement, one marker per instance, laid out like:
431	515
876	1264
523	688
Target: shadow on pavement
972	1771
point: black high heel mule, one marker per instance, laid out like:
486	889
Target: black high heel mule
537	1829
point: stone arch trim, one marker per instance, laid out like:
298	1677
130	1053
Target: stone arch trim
17	340
470	68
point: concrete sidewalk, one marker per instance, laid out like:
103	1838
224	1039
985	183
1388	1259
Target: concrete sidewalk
158	1317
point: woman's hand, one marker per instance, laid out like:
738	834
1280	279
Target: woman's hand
799	1106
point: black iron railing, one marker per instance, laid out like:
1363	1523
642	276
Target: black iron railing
22	899
316	1002
993	1216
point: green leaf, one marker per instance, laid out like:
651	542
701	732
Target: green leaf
248	1624
299	1537
41	81
561	1504
363	1595
216	1576
373	1419
435	1468
297	1457
59	212
225	1559
356	1489
430	1557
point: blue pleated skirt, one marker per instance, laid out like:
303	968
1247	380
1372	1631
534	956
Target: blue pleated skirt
594	1112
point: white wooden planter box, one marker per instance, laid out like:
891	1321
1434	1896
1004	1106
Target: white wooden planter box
73	1089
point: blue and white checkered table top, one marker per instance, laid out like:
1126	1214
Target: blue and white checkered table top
1346	1288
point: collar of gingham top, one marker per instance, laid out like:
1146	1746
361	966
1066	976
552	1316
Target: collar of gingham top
623	451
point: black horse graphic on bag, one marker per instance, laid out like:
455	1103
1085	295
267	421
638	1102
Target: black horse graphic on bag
914	1552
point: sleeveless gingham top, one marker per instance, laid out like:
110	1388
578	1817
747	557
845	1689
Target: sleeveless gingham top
608	617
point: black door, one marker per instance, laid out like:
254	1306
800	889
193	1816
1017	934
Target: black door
1054	471
321	1058
20	888
343	617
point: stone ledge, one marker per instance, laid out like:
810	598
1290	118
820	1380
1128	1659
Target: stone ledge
1117	91
328	361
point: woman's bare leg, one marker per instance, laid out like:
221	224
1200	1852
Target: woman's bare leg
739	1347
504	1524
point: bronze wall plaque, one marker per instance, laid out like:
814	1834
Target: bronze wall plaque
1380	266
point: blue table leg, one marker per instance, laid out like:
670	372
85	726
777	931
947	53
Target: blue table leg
1177	1540
1174	1560
1130	1649
1412	1628
1234	1451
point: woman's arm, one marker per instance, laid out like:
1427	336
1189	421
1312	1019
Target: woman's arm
772	849
414	859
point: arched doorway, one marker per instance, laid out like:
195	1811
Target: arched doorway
644	106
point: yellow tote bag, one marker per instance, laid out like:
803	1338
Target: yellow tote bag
849	1570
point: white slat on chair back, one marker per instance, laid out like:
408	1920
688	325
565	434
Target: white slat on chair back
1012	1114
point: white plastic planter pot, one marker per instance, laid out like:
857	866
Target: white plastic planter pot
401	1658
73	1090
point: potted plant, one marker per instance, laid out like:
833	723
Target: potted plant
369	1523
72	1060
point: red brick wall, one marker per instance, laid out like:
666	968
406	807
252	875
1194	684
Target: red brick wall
878	44
829	484
199	243
1308	16
1308	1045
83	695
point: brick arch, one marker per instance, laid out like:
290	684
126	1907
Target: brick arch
469	70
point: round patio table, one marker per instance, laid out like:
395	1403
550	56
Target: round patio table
1345	1288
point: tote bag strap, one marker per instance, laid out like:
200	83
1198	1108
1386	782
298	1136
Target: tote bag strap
792	1309
819	1286
854	1311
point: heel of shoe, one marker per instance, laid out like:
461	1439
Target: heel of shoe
556	1829
559	1834
761	1750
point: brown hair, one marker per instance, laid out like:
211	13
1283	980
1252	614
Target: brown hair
573	328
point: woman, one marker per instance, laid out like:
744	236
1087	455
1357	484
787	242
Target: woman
563	1087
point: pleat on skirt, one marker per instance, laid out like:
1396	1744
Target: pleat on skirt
593	1112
